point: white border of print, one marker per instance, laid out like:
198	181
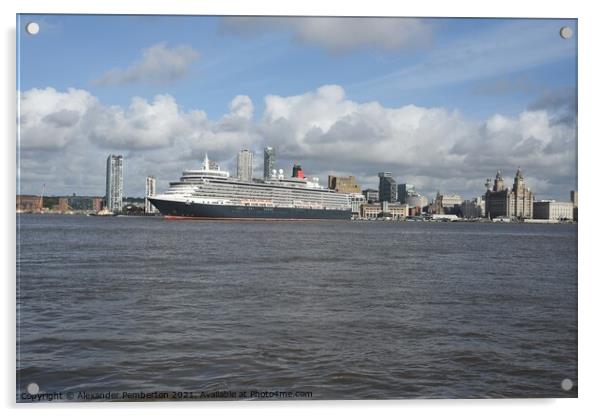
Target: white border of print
589	151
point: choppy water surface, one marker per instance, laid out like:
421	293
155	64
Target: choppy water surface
344	310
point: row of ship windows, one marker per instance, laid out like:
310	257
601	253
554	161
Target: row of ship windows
276	200
240	192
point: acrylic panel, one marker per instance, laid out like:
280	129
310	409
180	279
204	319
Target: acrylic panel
295	208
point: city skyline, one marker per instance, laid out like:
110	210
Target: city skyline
245	163
425	107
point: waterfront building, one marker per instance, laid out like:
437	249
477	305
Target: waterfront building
384	209
150	190
412	212
404	191
370	210
114	188
503	202
244	165
97	204
384	206
63	205
398	210
371	195
473	209
357	199
343	184
446	204
29	203
552	210
79	203
269	159
387	187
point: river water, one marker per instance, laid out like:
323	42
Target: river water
336	309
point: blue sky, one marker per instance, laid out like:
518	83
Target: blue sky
459	74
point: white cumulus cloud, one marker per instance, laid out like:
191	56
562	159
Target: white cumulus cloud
159	64
242	106
143	125
49	119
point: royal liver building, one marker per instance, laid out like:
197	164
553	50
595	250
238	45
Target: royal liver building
503	202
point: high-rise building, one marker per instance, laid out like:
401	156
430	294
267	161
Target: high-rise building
574	198
150	190
404	191
343	184
371	195
387	187
244	165
269	158
114	194
503	202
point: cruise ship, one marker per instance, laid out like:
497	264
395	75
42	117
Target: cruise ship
211	193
